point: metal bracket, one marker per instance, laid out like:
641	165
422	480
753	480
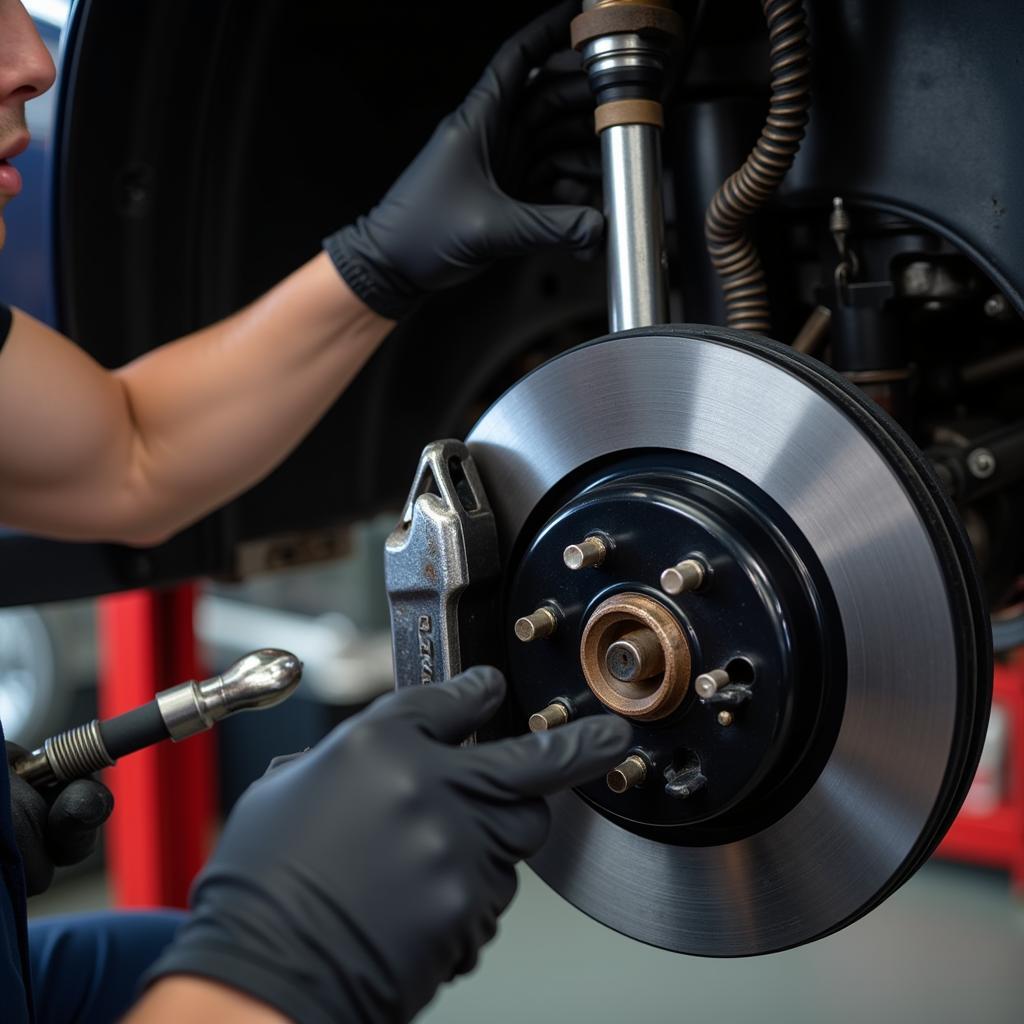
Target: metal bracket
445	544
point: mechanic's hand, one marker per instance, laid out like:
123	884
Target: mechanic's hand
58	829
353	880
447	217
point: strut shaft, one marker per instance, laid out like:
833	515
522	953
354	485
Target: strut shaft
625	45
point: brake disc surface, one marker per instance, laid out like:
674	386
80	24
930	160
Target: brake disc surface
882	733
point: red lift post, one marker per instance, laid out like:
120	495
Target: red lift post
166	805
996	838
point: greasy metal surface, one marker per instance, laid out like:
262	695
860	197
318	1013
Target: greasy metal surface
825	860
445	542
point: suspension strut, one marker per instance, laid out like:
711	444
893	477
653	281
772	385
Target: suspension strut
625	47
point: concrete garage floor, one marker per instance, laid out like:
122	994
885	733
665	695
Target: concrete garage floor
948	947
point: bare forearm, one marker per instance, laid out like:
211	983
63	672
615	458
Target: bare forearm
198	1001
137	454
215	412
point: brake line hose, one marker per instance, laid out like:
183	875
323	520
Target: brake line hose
725	227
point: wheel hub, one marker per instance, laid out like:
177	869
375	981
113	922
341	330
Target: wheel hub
752	635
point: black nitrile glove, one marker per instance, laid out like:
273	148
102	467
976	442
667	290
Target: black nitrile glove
58	829
447	217
355	879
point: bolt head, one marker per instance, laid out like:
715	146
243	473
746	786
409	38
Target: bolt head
725	718
918	278
981	463
996	306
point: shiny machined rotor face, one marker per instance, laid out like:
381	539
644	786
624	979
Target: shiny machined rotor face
722	542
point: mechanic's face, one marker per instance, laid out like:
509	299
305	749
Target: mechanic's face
26	70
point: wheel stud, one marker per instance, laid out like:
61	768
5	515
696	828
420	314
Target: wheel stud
587	555
551	717
708	684
541	624
686	576
631	772
725	718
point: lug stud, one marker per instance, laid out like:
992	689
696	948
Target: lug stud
631	772
686	576
709	683
587	555
551	717
725	719
542	623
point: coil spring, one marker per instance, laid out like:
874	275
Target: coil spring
729	246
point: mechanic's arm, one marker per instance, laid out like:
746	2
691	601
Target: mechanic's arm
136	454
352	881
178	999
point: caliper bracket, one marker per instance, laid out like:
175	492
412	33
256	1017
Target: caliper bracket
437	564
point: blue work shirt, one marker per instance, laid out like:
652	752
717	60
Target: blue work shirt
15	991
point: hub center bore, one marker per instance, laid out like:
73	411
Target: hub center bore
635	657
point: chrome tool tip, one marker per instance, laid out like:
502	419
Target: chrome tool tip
260	679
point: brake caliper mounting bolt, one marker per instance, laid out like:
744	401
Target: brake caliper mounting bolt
542	623
709	683
688	575
725	718
551	717
631	772
587	555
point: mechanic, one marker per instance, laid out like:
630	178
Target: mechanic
352	880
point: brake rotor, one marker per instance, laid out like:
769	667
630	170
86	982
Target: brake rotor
839	607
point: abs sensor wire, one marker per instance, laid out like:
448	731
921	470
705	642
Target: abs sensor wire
732	252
